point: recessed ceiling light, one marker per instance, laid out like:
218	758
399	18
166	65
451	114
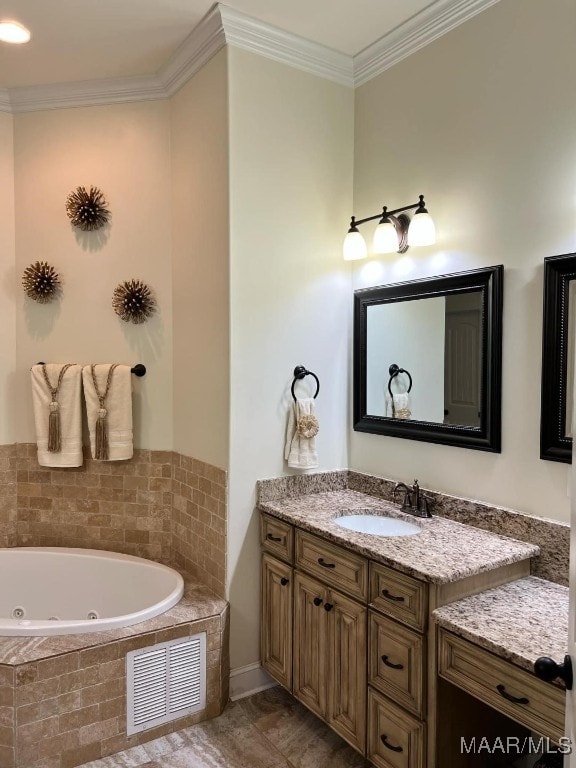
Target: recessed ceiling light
12	32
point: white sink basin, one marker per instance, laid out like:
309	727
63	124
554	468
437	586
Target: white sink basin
377	525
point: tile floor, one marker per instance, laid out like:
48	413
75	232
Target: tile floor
267	730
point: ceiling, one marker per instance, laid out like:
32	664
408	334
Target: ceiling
77	40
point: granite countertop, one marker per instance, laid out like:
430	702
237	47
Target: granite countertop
445	551
518	621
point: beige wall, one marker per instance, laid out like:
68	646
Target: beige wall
200	226
291	138
124	150
7	289
483	122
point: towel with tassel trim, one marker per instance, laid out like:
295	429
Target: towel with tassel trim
56	396
108	394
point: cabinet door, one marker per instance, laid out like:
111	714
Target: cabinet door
310	639
347	668
276	620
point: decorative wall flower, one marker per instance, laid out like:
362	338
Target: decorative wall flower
133	301
87	210
41	282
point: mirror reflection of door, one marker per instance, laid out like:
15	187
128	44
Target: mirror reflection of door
462	358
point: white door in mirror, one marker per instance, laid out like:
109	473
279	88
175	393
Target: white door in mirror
377	525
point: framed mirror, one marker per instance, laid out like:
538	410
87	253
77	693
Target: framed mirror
558	358
428	359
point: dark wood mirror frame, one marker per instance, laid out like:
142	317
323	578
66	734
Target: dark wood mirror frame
559	271
486	437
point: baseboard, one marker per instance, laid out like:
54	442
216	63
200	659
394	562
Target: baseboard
244	681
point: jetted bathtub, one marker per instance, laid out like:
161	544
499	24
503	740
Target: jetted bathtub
59	591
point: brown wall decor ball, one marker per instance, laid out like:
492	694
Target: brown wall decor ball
133	301
41	282
87	210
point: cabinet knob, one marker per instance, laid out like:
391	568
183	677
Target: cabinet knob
318	601
328	606
284	581
547	669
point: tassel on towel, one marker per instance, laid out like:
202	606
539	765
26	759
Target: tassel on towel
102	435
54	434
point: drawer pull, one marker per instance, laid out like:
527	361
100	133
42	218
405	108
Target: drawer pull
389	596
391	664
283	581
271	537
515	700
390	746
318	601
324	564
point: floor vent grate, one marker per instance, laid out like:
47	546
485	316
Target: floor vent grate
165	682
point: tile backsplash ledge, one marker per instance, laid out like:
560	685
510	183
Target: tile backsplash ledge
551	536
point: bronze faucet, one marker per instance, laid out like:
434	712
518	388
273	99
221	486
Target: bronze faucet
415	502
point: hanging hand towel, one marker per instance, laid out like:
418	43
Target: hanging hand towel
108	394
300	449
56	396
398	406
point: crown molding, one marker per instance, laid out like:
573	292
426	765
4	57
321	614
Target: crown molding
224	26
202	43
423	28
273	43
85	94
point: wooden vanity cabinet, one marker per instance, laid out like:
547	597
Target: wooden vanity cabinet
330	657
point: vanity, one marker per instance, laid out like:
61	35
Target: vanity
365	630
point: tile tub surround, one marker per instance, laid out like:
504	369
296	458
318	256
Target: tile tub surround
159	505
444	551
8	495
198	543
63	699
553	537
518	621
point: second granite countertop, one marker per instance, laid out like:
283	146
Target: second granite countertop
443	552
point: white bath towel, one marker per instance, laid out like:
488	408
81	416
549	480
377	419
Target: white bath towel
398	406
118	406
69	399
299	451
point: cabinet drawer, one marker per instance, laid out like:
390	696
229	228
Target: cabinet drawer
396	662
277	537
398	595
332	564
539	706
395	739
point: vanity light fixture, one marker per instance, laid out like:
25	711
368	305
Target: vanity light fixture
395	232
13	32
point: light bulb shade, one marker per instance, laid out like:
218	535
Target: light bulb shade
13	32
421	230
354	247
386	238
